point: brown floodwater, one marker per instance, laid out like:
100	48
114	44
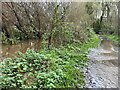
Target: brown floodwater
12	50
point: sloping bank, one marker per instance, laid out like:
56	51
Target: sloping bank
57	68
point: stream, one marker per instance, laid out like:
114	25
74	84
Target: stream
102	70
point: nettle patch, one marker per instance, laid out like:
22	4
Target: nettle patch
47	69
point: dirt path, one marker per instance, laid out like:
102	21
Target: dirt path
102	71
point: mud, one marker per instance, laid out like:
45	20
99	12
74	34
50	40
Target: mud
102	70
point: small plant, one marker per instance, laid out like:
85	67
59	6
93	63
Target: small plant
55	68
52	69
114	39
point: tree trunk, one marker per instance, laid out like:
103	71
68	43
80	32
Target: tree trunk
102	16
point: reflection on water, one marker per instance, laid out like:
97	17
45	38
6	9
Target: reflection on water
11	50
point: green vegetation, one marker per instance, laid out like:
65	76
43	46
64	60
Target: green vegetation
114	39
56	68
21	21
66	31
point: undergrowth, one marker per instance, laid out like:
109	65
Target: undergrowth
56	68
114	39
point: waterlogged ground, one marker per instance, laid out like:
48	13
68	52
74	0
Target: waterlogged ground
7	51
102	70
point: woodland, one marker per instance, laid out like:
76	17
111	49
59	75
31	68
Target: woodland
66	31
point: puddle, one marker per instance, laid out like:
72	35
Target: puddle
11	50
102	70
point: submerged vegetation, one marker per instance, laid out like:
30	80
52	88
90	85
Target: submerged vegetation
66	30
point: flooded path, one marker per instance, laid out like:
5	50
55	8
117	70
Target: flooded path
11	50
102	70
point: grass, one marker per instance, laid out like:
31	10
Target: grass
114	39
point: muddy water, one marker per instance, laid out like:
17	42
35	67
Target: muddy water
102	70
11	50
